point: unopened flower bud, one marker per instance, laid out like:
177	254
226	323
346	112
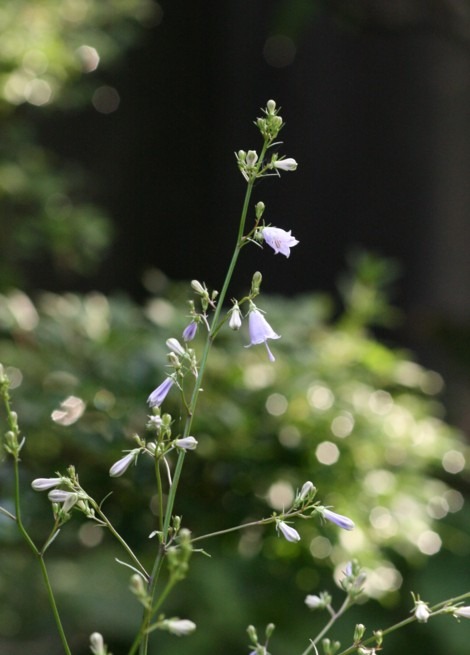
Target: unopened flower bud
314	602
197	287
251	630
269	630
462	612
187	443
359	632
259	209
97	644
287	531
67	498
121	466
235	321
175	346
256	283
308	489
189	331
287	164
180	627
421	612
44	484
251	158
271	107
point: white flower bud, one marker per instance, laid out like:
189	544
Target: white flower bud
235	321
187	443
314	602
251	157
97	644
68	498
180	627
288	164
307	489
421	612
121	466
176	347
43	484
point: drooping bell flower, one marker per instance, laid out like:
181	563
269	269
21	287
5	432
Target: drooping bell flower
287	531
279	240
260	330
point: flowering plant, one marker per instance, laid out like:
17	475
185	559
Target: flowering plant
168	440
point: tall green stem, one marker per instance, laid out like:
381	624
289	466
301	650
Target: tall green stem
193	403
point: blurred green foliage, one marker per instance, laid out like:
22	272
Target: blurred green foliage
361	419
51	56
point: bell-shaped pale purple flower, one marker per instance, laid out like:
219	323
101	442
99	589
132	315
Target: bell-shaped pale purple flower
44	484
159	394
279	240
121	466
189	331
260	331
287	531
287	164
340	520
462	612
186	443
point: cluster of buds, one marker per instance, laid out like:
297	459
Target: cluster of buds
271	123
65	499
157	447
260	649
353	580
182	360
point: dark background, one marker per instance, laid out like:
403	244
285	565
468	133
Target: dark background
376	100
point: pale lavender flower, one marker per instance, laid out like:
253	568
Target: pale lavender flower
121	466
180	627
189	331
186	443
340	520
159	394
287	532
43	484
279	240
67	498
287	164
462	612
260	331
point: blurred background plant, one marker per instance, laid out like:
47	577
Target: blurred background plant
46	204
361	419
342	406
